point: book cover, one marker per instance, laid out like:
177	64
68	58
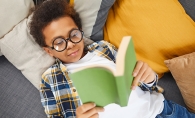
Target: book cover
102	85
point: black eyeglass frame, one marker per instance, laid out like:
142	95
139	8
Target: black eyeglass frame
66	40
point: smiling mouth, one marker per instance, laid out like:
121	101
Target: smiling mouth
74	53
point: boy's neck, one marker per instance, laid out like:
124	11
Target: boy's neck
84	53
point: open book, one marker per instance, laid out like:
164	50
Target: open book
101	85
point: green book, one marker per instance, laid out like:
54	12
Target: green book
101	85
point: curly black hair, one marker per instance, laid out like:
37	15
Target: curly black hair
47	12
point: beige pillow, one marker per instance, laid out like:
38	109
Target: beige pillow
24	53
183	71
1	53
12	12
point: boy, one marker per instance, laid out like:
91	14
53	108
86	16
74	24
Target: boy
56	27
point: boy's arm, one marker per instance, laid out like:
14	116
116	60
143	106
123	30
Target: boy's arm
48	101
151	86
58	99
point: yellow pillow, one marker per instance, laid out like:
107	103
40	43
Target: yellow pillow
160	29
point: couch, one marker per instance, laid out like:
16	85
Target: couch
20	99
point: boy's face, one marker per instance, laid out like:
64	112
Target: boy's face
61	28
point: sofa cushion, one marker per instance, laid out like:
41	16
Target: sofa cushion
160	29
171	90
18	98
189	7
1	53
182	69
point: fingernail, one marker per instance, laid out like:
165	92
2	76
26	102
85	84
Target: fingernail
133	87
94	104
134	74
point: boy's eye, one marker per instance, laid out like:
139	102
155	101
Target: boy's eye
58	42
74	34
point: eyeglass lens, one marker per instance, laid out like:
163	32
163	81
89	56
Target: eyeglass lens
75	36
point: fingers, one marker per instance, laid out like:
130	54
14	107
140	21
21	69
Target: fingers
143	73
93	113
85	107
146	75
88	110
137	68
137	73
150	77
95	116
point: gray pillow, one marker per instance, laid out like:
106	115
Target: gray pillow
189	6
97	32
93	14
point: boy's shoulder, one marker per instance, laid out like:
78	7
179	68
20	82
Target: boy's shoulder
100	44
53	70
50	70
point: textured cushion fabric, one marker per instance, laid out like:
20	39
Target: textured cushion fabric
22	51
1	53
18	98
12	12
189	7
160	29
93	15
171	90
183	69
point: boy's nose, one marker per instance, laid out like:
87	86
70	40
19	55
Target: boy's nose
70	45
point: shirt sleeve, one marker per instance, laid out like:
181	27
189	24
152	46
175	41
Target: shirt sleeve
152	86
48	101
112	48
58	96
103	49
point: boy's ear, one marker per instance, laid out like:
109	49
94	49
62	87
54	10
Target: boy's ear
48	51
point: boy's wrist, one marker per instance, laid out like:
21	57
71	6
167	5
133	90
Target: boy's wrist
155	78
151	81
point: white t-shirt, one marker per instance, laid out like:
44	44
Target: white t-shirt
141	104
90	59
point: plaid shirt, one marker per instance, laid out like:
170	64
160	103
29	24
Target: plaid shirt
58	95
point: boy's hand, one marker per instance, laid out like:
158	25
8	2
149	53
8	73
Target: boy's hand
88	110
142	72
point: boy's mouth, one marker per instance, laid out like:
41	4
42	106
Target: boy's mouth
74	53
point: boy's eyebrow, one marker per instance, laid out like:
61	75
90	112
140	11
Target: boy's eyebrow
62	36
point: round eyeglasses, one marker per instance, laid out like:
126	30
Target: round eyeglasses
60	44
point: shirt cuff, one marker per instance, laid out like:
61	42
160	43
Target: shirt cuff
152	86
